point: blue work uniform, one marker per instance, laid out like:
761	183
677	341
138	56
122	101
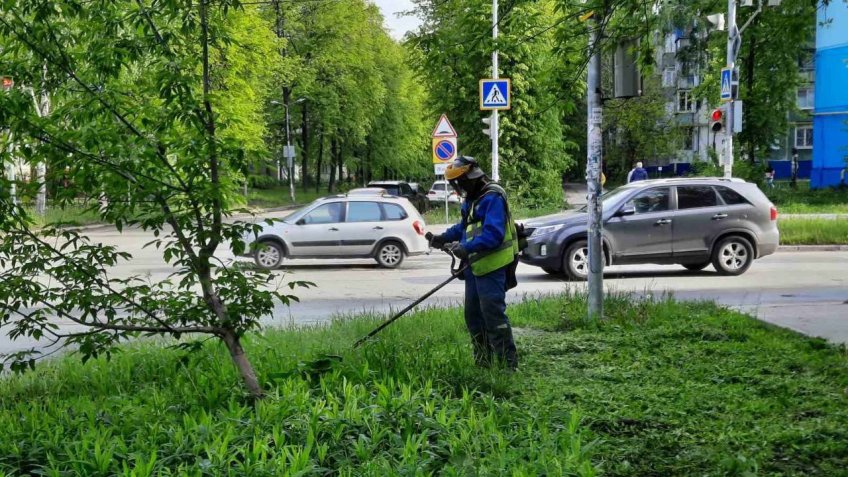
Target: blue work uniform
485	296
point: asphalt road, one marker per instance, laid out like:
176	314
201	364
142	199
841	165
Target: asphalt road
804	291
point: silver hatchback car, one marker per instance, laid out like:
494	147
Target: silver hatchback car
693	222
382	227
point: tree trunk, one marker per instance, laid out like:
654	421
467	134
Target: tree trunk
340	164
242	364
320	159
334	151
304	134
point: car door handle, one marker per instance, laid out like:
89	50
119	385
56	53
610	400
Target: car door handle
333	229
378	228
663	221
719	216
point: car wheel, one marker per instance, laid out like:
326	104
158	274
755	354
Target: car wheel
695	267
390	255
575	262
269	255
732	255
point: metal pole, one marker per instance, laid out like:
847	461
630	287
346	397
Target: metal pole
731	61
593	180
289	156
447	216
494	126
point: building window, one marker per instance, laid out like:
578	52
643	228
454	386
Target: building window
690	142
806	97
804	136
668	77
671	43
684	101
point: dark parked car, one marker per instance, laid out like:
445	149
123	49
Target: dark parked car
403	189
692	222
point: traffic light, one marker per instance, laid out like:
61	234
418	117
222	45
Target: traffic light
488	123
717	121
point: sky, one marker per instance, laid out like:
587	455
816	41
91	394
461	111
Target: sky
397	26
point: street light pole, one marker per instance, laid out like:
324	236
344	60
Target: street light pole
495	130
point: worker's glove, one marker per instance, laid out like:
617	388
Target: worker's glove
436	241
458	250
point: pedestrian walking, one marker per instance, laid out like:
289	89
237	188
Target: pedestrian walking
638	173
770	177
486	238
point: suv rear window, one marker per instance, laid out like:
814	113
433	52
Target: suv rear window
730	196
693	197
438	187
394	212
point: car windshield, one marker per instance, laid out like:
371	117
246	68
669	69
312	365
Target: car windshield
438	187
609	198
297	214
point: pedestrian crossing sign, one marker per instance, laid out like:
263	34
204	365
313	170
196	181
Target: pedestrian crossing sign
726	84
495	94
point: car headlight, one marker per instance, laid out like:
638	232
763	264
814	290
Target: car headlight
539	231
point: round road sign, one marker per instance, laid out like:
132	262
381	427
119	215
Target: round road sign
445	150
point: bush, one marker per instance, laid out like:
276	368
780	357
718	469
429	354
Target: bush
263	182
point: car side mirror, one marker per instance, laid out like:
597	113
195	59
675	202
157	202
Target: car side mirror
625	211
300	222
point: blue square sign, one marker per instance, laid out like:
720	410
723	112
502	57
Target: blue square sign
495	94
726	84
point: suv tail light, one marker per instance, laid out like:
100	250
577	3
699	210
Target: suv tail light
419	227
773	213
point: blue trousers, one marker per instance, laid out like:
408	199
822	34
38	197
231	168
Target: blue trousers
485	317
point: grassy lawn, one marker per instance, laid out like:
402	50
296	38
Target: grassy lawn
805	201
279	196
805	231
662	388
71	215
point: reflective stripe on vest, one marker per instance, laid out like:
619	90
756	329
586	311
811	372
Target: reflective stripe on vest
486	262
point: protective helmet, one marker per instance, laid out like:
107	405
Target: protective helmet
463	168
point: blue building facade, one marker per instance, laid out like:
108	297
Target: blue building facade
830	120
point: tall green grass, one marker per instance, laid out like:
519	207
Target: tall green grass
802	200
805	231
661	388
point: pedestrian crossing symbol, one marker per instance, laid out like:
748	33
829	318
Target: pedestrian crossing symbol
495	94
726	84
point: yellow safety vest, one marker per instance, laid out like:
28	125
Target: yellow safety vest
488	261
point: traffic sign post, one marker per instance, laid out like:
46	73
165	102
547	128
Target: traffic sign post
444	151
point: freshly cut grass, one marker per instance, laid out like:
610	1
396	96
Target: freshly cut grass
808	231
661	388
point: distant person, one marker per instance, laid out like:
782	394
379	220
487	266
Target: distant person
770	177
638	173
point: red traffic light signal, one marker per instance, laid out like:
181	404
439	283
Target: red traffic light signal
717	120
717	114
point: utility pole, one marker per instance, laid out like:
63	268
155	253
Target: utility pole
593	176
732	38
495	130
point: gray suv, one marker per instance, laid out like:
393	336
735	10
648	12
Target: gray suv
693	222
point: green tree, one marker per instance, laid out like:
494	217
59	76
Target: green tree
154	105
454	52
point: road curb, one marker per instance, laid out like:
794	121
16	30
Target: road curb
813	248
